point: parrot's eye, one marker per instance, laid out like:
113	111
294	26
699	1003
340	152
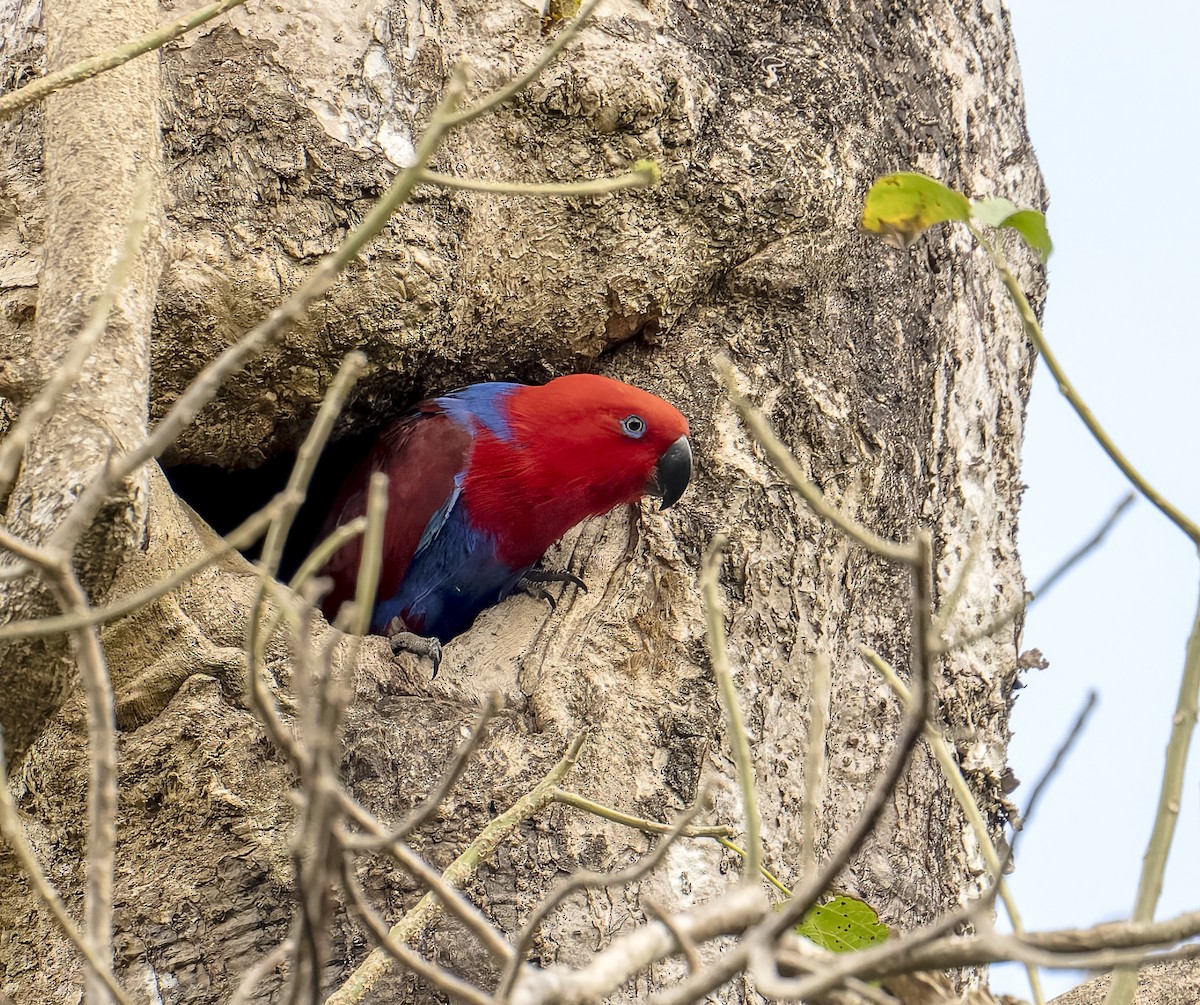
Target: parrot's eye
633	426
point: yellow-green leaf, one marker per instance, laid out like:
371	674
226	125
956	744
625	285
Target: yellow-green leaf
992	212
901	206
1031	225
843	925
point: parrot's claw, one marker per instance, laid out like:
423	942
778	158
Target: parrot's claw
532	584
408	642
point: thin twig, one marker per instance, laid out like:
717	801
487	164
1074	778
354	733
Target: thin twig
244	535
916	714
35	90
948	762
102	767
1007	617
430	804
515	87
760	429
611	967
460	870
1033	331
259	634
45	556
791	913
717	832
639	177
489	936
820	685
315	852
434	975
638	823
370	562
1084	549
315	561
254	976
739	742
1068	949
13	832
206	384
764	966
306	459
1154	862
1056	762
763	871
67	371
582	879
656	912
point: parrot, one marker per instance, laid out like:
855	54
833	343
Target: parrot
483	480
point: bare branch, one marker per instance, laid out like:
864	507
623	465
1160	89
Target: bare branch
187	406
258	634
948	762
512	89
43	557
37	89
610	968
1006	618
1154	862
655	912
1033	331
439	978
915	716
768	981
13	832
102	770
255	975
315	561
429	805
760	429
638	823
1057	761
714	616
642	176
69	367
584	878
238	539
1088	546
370	562
461	869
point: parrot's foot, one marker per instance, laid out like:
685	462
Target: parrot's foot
403	641
532	583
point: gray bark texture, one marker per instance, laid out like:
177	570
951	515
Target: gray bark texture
898	378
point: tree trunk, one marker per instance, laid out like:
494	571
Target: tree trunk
897	378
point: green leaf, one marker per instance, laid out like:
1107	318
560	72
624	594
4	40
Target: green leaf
992	212
843	925
901	206
1031	225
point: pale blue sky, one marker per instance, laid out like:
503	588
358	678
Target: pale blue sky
1112	94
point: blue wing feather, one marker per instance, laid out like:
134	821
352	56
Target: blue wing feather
453	576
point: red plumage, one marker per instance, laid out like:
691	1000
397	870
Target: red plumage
566	461
483	480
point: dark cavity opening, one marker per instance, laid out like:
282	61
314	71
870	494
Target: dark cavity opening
225	498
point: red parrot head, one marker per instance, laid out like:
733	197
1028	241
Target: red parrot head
547	457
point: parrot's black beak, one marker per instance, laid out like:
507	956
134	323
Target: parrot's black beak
672	473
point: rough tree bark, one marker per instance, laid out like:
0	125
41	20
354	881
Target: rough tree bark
898	378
